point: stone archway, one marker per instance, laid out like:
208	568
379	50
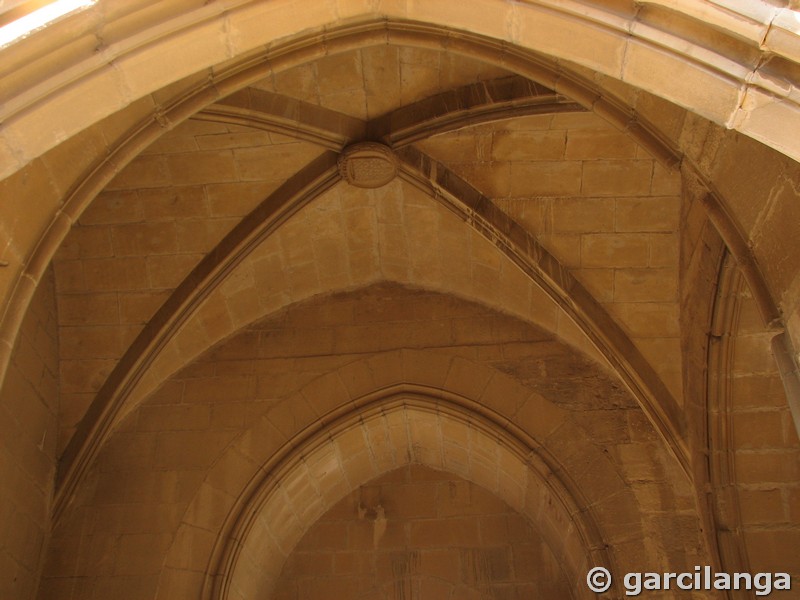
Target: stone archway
85	180
399	429
187	468
151	71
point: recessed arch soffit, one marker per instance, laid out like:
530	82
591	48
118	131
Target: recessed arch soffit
586	498
535	573
539	492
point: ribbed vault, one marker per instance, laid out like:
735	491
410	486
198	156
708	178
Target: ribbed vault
580	294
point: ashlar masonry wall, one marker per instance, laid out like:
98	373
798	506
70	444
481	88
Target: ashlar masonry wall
28	435
421	533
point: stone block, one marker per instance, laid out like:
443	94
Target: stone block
762	506
481	17
325	394
590	144
201	235
761	466
188	49
579	215
190	449
209	507
518	146
655	214
545	178
172	143
382	80
86	242
70	161
142	172
571	38
93	342
457	149
291	417
82	309
465	379
753	354
773	551
758	430
646	319
710	94
220	387
616	177
492	180
640	285
666	182
138	308
168	270
65	112
113	207
26	219
174	417
273	163
183	202
111	274
237	198
604	250
663	249
599	282
539	417
143	239
201	167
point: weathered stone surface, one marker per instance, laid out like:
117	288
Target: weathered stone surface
562	275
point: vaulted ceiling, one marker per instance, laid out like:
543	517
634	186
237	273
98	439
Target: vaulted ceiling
395	279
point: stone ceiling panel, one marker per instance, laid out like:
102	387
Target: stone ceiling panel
595	200
351	237
145	233
373	81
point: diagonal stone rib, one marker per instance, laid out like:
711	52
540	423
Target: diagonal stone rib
300	189
281	114
474	104
543	268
